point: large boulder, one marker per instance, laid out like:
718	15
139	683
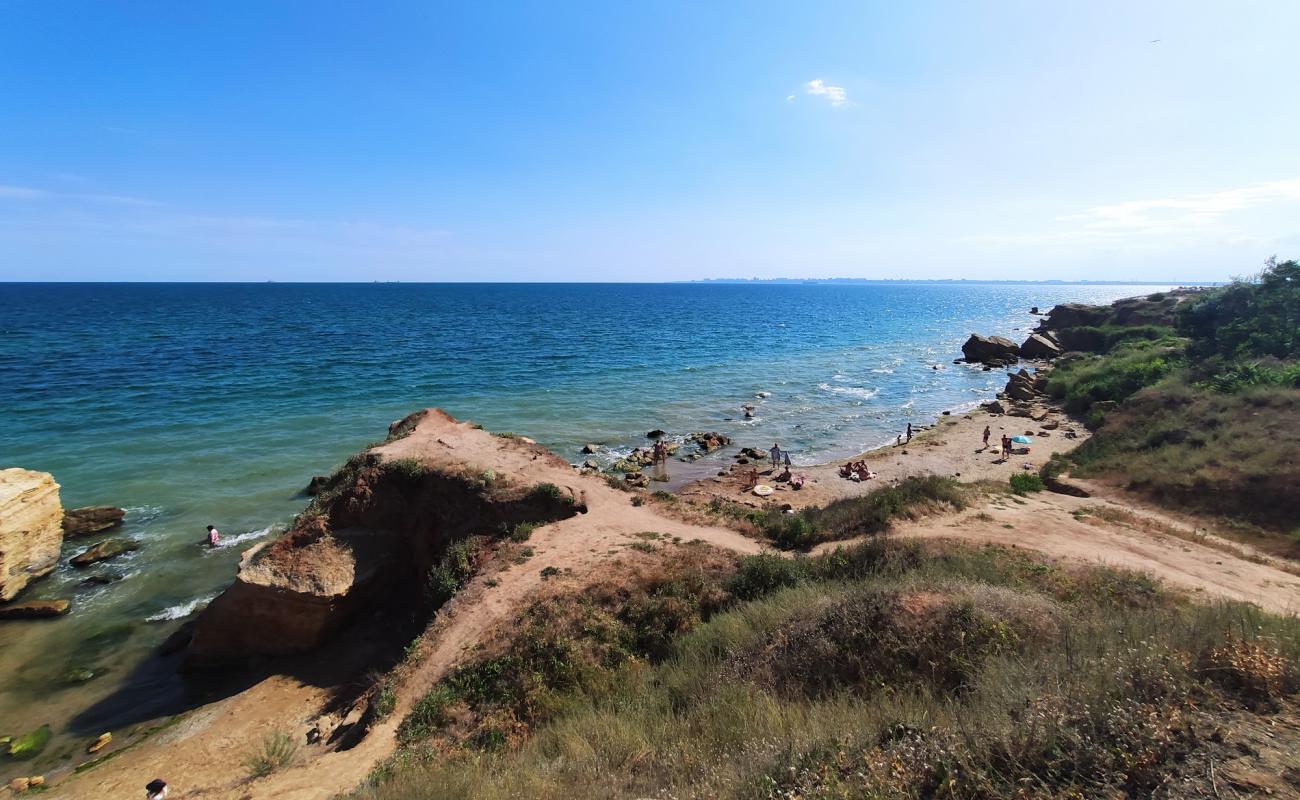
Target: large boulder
1039	346
1021	386
990	350
31	528
90	520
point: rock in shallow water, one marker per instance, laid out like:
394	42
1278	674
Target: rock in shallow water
90	520
109	548
35	609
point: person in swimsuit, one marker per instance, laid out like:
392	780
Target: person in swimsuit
214	538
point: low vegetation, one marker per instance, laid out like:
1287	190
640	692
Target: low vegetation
1208	421
276	750
852	517
885	670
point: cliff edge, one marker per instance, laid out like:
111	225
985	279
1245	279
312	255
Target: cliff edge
31	528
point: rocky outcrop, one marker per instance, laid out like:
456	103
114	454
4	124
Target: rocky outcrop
708	441
35	609
368	543
91	520
31	528
991	350
1021	386
1039	346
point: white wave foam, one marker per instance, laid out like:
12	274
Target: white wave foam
180	610
240	538
883	371
139	514
860	392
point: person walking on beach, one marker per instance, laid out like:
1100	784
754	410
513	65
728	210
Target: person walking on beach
986	437
214	538
1006	447
909	432
775	453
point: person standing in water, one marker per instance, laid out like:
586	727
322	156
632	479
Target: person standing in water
214	538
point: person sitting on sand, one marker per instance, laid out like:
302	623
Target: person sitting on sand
986	437
784	476
214	538
797	482
846	470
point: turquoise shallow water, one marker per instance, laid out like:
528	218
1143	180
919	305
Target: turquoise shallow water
191	403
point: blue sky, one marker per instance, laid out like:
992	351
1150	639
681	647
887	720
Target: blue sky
646	141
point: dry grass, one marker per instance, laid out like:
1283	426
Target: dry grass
887	670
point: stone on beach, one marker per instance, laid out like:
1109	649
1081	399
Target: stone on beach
31	528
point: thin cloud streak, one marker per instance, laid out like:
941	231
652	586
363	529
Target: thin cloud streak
1191	216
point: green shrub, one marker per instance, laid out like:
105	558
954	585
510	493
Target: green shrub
523	532
1026	482
1115	377
550	493
760	575
453	570
275	751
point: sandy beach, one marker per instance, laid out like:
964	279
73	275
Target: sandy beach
951	445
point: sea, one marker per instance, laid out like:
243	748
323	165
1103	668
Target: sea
195	404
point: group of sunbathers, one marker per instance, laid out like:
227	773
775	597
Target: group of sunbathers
856	471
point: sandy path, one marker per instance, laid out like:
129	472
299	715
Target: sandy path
1141	541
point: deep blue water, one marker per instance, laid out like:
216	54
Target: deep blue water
197	403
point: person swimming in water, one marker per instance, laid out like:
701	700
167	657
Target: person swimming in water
214	538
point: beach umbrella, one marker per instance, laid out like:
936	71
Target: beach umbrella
1022	440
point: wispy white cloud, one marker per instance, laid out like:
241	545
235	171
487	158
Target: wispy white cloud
835	95
1173	214
23	193
1222	214
30	193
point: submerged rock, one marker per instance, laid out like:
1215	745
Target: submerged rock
77	675
316	485
588	449
28	747
35	609
655	434
109	548
31	528
90	520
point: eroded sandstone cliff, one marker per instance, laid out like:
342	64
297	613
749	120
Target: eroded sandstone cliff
369	538
31	528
